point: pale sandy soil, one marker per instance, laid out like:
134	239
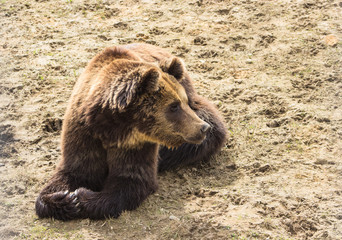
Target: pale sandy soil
268	67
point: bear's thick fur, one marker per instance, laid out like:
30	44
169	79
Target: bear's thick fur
133	111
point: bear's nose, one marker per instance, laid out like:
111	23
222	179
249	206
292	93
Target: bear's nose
205	127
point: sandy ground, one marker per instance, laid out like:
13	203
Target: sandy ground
274	70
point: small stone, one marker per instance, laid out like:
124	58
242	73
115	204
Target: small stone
323	162
323	119
265	168
256	165
200	41
121	25
330	40
172	217
273	124
103	37
249	61
231	166
213	192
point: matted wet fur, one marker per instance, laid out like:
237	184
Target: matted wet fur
130	107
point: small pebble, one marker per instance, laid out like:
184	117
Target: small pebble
249	61
172	217
330	40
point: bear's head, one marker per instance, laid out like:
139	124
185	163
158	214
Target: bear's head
151	101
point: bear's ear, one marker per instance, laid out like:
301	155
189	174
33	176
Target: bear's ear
149	80
139	81
173	66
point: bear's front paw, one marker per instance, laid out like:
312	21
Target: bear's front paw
81	194
98	205
80	198
61	205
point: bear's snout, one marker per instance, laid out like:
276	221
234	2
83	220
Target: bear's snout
205	128
198	136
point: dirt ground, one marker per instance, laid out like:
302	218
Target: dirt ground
272	67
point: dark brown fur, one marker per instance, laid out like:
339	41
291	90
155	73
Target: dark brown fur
130	103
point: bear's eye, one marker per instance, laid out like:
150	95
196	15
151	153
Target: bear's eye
174	107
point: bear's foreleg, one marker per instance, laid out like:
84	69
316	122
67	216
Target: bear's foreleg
119	195
192	153
132	177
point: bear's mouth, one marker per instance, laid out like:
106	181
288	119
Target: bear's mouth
175	142
198	139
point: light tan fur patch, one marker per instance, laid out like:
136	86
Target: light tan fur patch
135	140
174	87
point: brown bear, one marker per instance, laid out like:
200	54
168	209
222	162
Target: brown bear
133	111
